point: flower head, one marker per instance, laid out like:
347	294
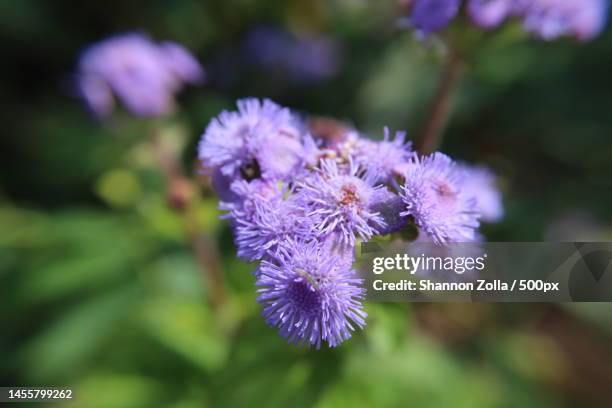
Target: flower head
271	223
260	140
309	296
144	75
550	19
433	195
429	16
546	19
341	198
244	196
383	157
491	13
480	183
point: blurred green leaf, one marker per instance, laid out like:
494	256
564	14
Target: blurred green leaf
73	339
188	328
117	391
119	187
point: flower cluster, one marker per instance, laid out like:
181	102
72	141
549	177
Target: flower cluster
545	19
142	74
300	204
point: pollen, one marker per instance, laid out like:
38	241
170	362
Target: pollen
349	194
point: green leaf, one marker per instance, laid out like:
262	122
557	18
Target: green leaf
186	327
72	340
117	391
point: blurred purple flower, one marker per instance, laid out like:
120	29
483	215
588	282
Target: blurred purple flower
302	58
546	19
491	13
434	197
429	16
551	19
260	140
145	76
480	183
309	295
341	199
182	63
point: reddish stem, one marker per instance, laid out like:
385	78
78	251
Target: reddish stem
431	134
180	195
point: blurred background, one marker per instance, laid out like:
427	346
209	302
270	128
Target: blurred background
99	288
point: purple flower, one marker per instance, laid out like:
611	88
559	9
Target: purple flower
429	16
491	13
144	75
309	295
341	198
246	195
546	19
384	157
281	156
550	19
183	65
271	223
260	140
480	183
433	195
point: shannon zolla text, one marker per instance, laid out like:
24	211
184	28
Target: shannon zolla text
429	285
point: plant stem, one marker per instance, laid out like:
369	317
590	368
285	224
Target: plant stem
179	191
207	258
430	136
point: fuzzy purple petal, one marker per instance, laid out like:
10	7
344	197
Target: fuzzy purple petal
433	195
310	296
341	197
